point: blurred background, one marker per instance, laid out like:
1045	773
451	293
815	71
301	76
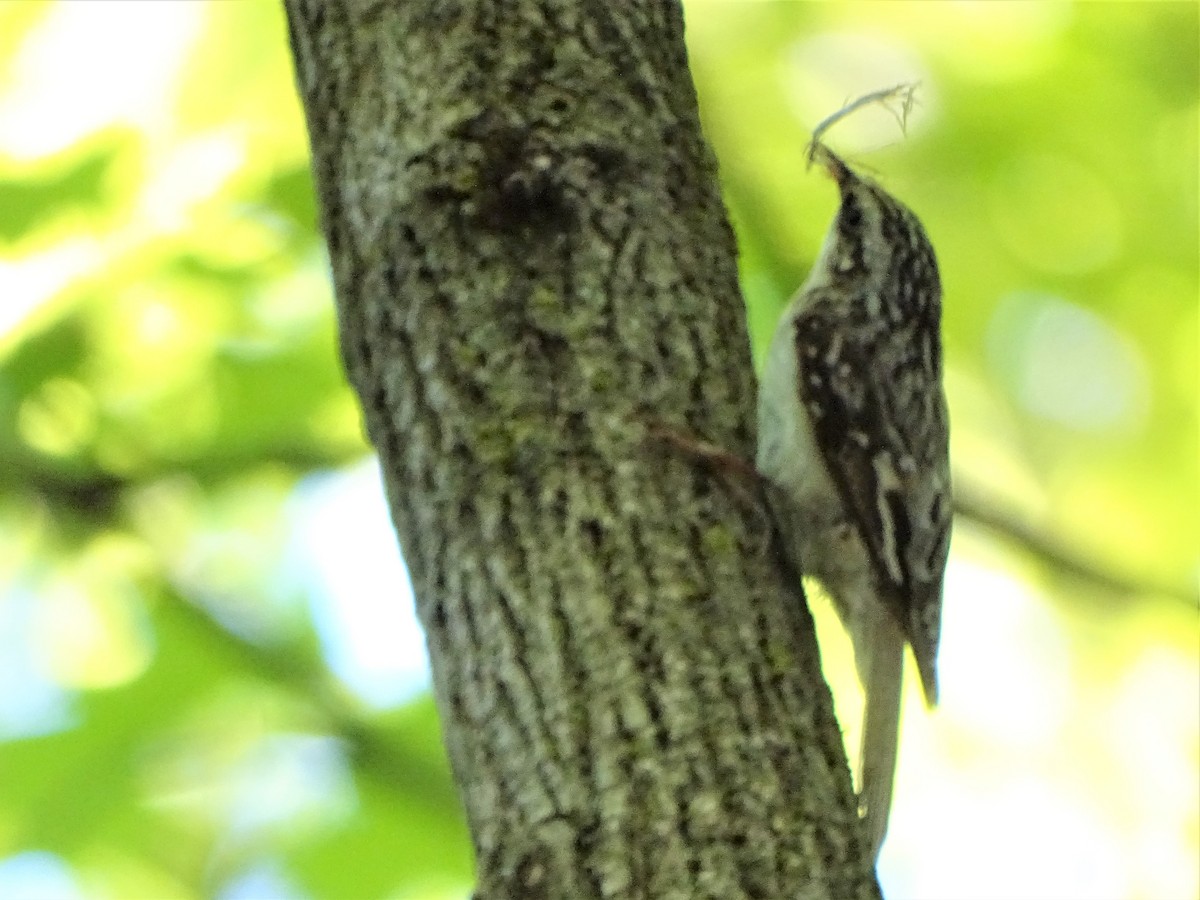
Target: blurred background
211	681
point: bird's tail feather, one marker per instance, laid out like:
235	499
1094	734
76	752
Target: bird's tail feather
881	676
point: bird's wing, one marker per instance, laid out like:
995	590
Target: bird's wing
873	396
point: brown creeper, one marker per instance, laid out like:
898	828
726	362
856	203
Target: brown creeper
853	444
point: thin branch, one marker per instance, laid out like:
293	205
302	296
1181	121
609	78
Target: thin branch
1050	549
374	750
97	495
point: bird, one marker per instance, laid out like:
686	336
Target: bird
854	451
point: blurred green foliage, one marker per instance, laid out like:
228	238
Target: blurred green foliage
171	724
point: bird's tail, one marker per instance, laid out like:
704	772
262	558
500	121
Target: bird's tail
881	677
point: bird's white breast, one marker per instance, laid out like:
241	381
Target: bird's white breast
787	452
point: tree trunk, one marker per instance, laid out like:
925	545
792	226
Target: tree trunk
531	262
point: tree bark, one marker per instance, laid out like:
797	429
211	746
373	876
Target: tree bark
532	261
